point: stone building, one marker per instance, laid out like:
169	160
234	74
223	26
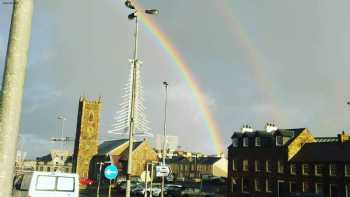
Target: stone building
287	162
116	151
57	160
86	140
196	167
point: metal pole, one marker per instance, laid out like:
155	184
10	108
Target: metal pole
110	188
146	180
132	114
12	90
62	129
164	134
99	181
151	192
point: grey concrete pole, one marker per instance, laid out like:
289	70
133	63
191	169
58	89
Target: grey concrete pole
132	113
12	90
164	135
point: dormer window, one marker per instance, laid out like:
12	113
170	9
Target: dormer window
279	140
257	141
245	142
235	142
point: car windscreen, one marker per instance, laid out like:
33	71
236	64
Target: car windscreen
55	183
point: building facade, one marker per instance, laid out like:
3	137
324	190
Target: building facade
57	160
116	152
86	139
197	167
287	162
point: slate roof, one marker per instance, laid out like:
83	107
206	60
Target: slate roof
199	160
45	158
326	139
324	152
107	146
208	160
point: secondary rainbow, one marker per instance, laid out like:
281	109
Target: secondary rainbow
254	57
175	55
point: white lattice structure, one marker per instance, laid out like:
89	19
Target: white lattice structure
122	117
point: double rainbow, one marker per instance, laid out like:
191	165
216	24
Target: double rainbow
198	94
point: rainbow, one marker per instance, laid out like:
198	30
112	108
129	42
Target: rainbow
175	55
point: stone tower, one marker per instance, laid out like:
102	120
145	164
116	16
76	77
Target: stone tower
86	139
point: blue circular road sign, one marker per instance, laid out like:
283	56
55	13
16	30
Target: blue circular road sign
111	172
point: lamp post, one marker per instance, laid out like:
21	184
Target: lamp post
164	133
135	63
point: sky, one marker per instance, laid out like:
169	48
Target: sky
255	61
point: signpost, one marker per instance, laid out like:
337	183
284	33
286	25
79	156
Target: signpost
111	172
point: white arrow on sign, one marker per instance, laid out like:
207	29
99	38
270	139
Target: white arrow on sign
162	171
110	172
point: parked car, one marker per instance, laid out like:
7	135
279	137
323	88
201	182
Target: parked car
173	190
140	190
86	182
191	191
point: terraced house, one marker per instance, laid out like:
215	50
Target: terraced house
288	162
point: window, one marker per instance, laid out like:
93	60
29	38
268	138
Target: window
293	169
318	169
257	141
318	188
48	169
245	142
306	187
268	186
245	185
235	142
257	165
257	185
347	169
245	165
280	167
305	169
234	165
292	187
41	168
332	169
279	140
268	166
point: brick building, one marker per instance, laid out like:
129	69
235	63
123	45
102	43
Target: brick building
284	162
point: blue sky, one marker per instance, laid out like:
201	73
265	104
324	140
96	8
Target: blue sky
82	47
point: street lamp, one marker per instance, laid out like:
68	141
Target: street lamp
135	63
165	84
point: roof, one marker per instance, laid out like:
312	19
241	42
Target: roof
45	158
326	139
324	152
107	146
199	160
208	160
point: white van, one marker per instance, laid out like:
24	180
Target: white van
54	184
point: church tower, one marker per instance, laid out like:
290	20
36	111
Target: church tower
86	139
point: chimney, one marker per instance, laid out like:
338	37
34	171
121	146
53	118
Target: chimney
246	128
343	137
269	127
